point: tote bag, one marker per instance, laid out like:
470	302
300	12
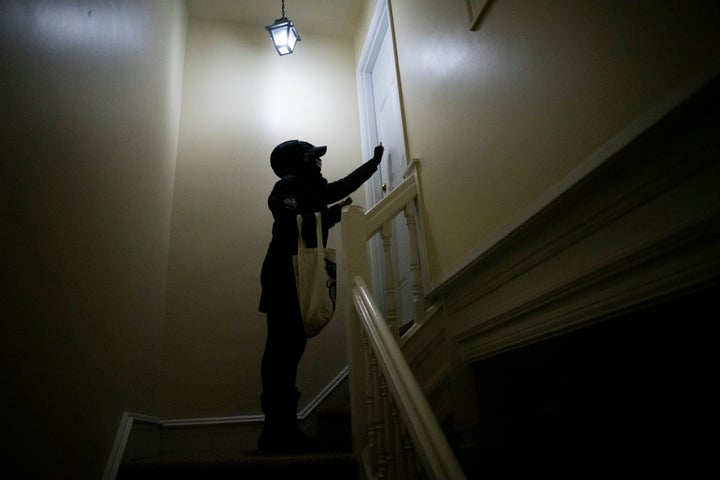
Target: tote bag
315	278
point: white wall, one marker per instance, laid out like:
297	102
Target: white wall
90	93
502	115
240	99
90	96
499	116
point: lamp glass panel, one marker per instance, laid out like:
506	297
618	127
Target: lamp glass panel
284	36
292	39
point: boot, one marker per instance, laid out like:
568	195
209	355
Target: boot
281	432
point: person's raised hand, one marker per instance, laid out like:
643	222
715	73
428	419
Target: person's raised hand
378	153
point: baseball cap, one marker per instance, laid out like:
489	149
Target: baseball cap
286	154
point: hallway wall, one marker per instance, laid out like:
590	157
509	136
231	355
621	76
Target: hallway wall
505	117
240	99
90	97
92	123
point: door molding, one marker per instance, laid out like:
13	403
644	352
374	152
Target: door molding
379	25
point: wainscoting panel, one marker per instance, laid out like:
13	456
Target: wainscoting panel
641	228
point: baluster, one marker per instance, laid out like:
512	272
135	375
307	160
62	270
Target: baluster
376	426
412	473
389	431
378	381
370	364
418	293
390	300
400	470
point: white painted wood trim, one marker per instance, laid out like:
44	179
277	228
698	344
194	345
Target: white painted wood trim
376	31
323	394
641	123
641	229
129	420
121	438
199	422
432	447
250	419
390	206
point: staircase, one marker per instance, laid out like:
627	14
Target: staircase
242	463
333	459
245	463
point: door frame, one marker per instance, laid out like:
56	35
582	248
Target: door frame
379	27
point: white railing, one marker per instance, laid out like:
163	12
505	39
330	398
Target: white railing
379	219
395	432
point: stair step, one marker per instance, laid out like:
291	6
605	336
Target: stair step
335	428
245	464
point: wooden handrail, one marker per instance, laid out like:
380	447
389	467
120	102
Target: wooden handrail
390	206
394	429
434	452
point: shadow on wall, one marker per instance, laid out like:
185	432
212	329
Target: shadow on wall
633	394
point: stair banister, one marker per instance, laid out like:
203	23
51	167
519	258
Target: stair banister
353	262
390	206
380	378
431	445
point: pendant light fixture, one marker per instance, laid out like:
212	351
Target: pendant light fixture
283	34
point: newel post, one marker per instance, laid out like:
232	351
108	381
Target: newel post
353	261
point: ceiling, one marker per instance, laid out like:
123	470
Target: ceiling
325	17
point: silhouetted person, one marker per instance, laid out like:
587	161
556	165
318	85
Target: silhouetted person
301	190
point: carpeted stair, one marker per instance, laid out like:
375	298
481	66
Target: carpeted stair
243	464
333	459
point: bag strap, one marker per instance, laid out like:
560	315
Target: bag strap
301	242
318	230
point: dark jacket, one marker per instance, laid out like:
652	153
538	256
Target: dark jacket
293	195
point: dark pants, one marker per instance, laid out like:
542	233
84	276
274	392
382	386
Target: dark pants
284	346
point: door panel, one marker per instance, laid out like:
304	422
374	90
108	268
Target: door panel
387	114
387	119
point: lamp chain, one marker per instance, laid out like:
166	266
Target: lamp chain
283	8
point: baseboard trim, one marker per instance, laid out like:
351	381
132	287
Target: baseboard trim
248	419
127	422
209	421
130	420
324	393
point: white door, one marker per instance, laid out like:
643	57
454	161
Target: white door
382	122
388	120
